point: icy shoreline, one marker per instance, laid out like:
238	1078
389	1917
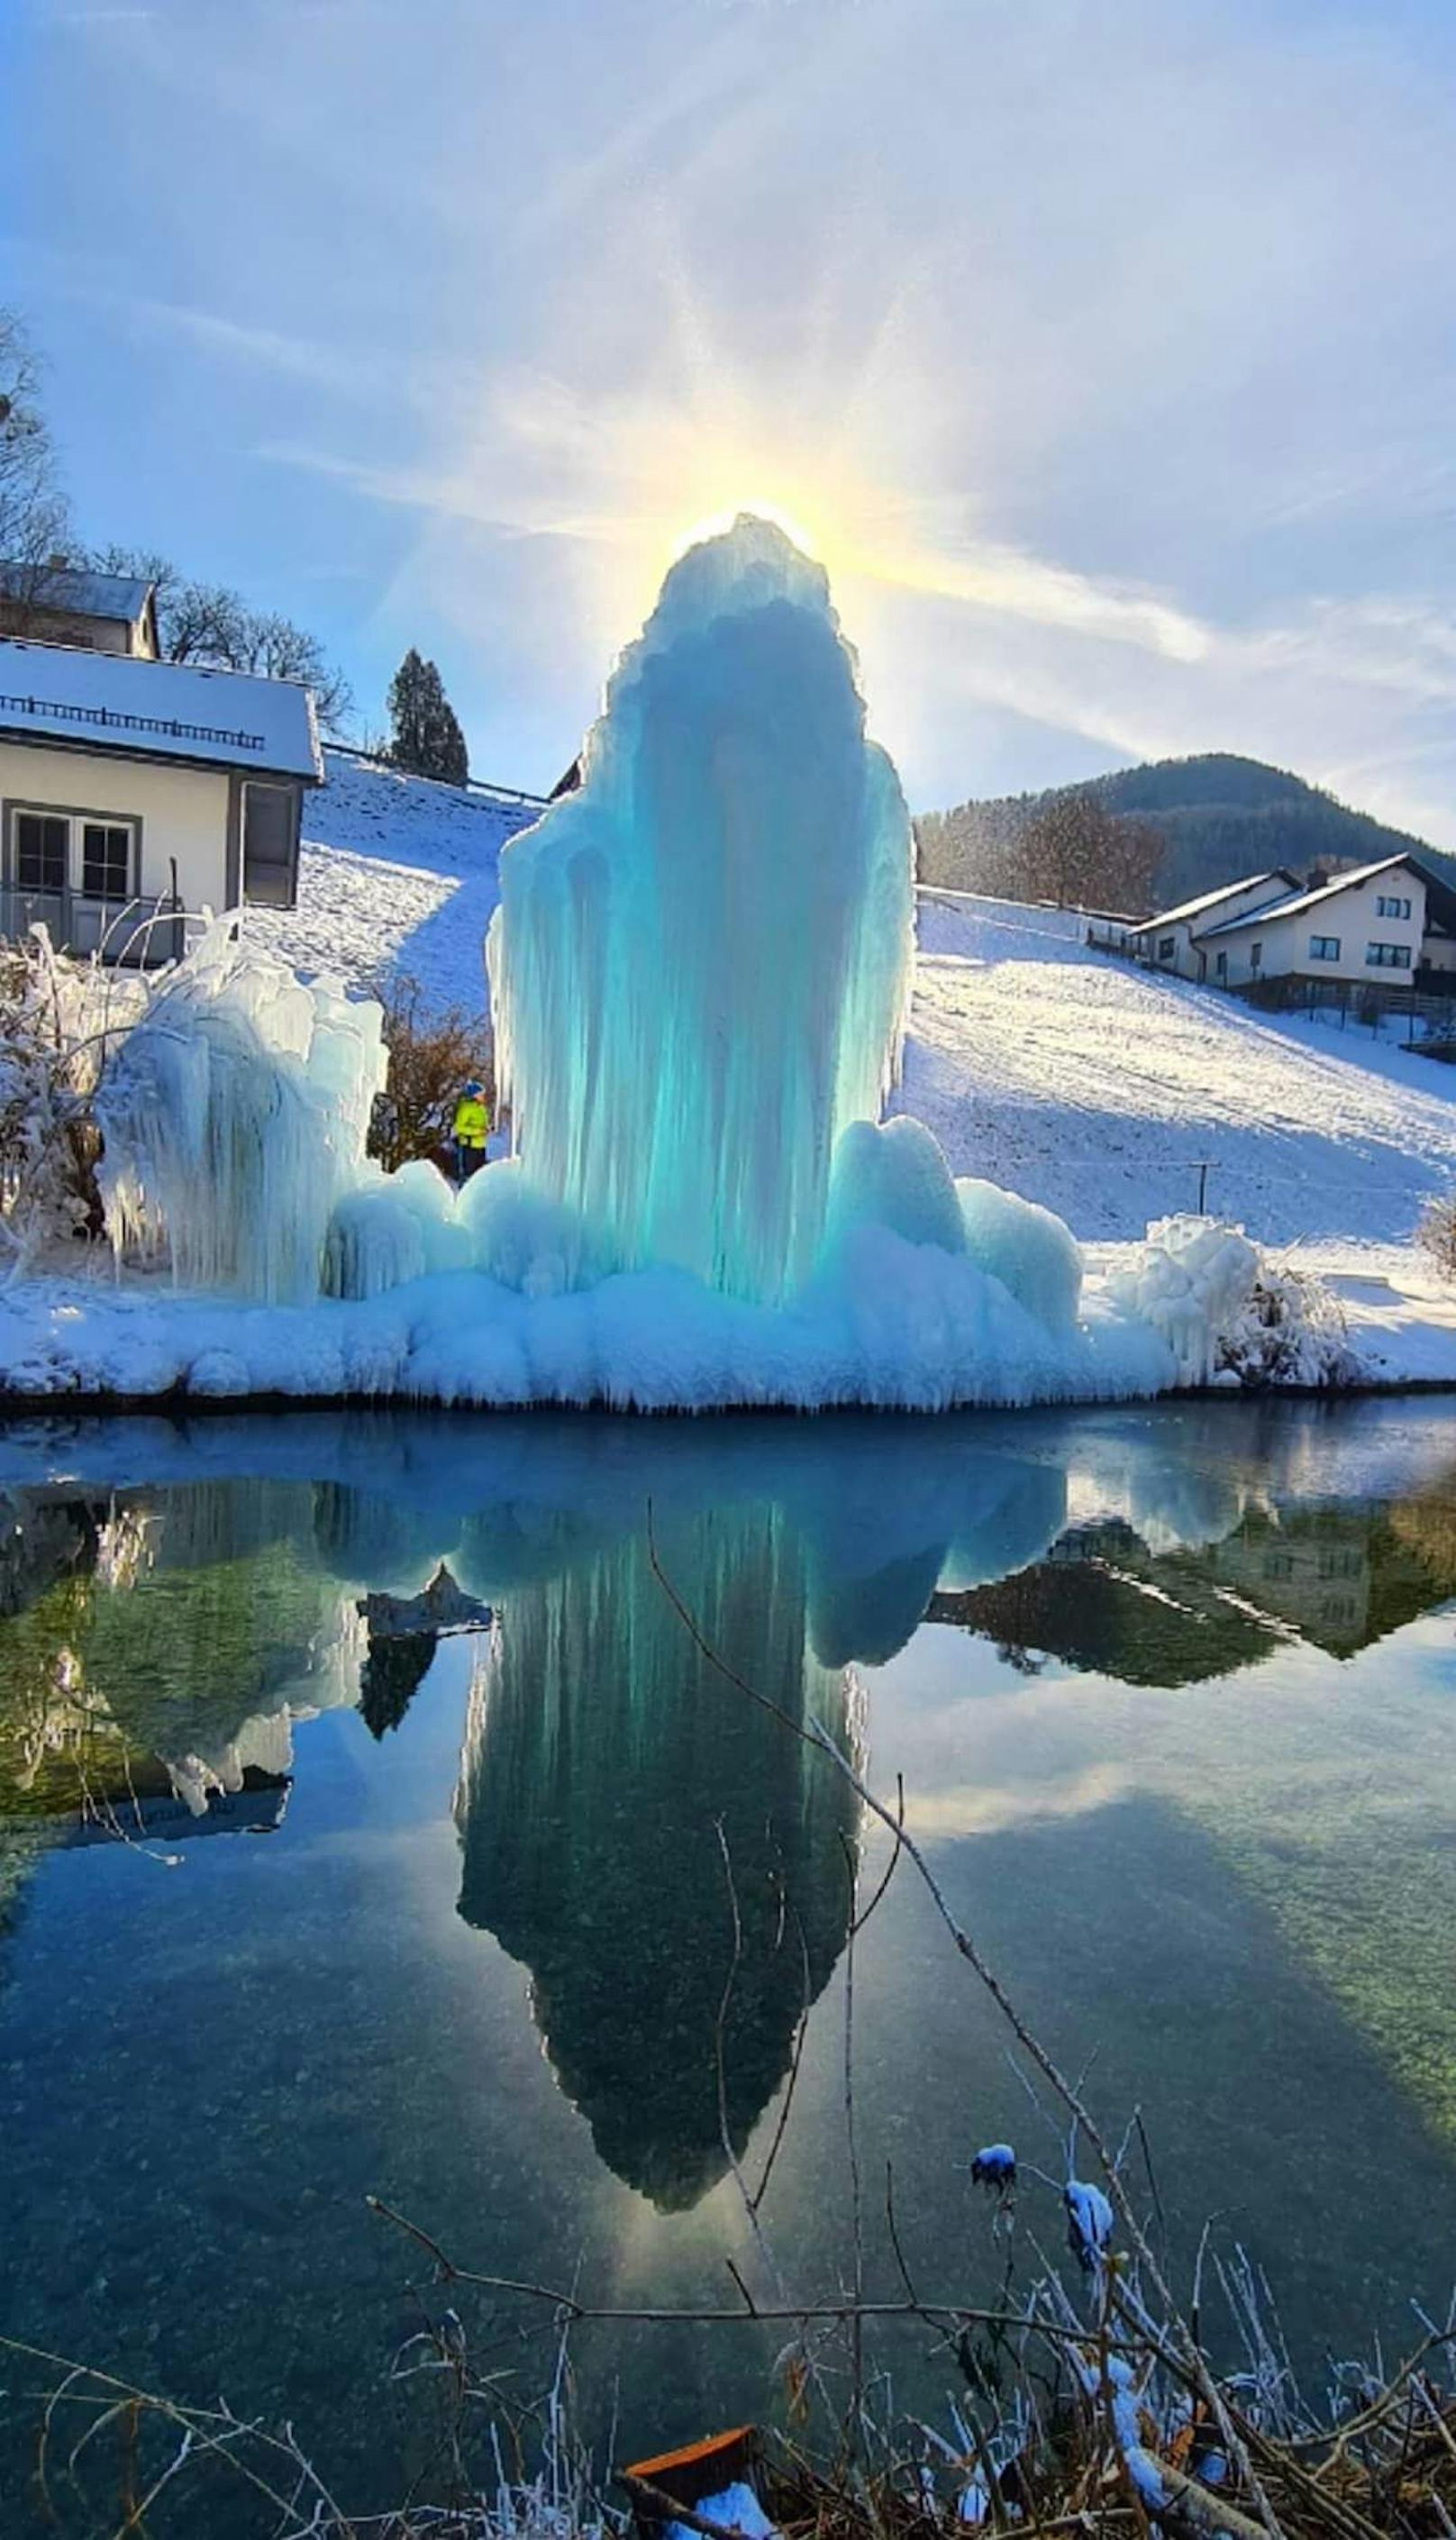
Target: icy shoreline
652	1341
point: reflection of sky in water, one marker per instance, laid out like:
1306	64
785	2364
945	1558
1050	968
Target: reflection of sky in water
1238	1891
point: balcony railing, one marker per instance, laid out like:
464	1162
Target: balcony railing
131	933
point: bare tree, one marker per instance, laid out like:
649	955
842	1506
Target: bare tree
1075	852
213	626
33	520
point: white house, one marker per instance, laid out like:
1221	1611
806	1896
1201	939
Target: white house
98	612
130	786
1170	940
1381	924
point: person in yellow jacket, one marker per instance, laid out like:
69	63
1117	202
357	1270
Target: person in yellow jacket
469	1129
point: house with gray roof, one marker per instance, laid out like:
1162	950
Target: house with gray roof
1387	924
96	613
133	790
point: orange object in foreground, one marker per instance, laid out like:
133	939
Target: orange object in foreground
696	2470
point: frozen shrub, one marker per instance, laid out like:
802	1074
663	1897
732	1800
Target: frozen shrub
58	1021
1436	1233
1227	1313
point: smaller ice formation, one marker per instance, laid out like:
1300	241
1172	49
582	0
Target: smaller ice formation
1228	1315
234	1116
391	1228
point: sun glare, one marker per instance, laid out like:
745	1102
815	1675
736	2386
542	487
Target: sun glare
713	525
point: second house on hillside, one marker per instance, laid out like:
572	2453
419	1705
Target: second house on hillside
133	790
1391	923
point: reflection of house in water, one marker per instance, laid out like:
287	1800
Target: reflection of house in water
145	1808
1313	1573
404	1633
1340	1577
605	1752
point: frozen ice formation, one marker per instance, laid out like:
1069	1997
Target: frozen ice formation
701	961
699	968
233	1115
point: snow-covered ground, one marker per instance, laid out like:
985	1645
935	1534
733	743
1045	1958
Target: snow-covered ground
1068	1076
1099	1090
1056	1072
395	874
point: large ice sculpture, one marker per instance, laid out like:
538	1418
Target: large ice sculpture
701	961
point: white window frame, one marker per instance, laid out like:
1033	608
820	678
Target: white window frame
1389	905
1323	947
77	822
1255	956
1387	957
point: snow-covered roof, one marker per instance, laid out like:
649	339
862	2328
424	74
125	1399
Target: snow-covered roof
156	710
1299	900
68	587
1188	908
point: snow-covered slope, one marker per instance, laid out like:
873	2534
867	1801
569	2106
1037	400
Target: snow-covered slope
395	874
1097	1090
1058	1073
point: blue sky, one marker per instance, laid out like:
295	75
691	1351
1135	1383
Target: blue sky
1103	348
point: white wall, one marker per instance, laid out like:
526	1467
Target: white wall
1349	914
183	810
1185	963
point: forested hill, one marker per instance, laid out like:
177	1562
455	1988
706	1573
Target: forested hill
1218	816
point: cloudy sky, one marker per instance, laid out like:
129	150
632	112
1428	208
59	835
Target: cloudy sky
1104	349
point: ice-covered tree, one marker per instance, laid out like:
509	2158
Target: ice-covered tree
425	738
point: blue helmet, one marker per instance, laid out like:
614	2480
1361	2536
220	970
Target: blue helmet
475	1086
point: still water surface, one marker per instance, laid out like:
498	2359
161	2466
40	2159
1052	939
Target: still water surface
360	1809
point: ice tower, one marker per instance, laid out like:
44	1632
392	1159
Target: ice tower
701	960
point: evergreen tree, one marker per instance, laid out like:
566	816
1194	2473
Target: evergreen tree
424	737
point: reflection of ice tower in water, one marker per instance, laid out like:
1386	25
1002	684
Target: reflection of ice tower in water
602	1750
700	962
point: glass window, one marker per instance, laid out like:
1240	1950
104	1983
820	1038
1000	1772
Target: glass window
106	860
1220	966
1323	947
1255	956
40	845
1166	947
1388	956
1385	907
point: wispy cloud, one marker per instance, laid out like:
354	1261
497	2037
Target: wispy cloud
1103	358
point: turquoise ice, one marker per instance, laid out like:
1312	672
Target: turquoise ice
700	964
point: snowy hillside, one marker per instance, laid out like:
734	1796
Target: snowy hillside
1056	1072
1098	1090
396	873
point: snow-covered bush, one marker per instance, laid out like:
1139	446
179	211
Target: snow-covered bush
1435	1233
59	1020
1227	1313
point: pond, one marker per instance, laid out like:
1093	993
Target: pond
374	1823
